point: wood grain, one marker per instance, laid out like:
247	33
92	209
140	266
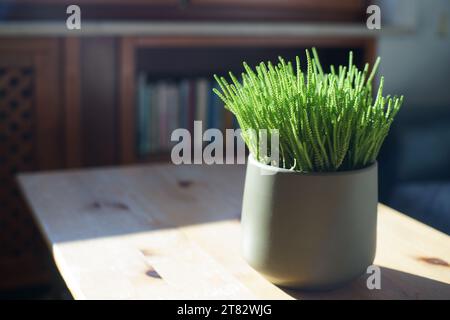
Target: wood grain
165	231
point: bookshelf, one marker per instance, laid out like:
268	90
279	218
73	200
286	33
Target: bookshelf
175	57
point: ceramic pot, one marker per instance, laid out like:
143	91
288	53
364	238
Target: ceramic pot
309	231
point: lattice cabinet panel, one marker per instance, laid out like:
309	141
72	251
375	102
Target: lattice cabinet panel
17	232
29	133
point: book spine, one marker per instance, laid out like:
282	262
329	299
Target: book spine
192	105
183	104
211	108
202	101
162	109
228	120
143	116
154	119
150	116
172	111
165	106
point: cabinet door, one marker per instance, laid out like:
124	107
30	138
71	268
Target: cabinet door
30	139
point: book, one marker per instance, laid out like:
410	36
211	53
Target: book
192	105
215	110
202	100
154	119
228	120
183	100
162	112
172	111
165	105
143	115
211	114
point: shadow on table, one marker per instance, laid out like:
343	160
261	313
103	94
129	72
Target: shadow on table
84	204
394	285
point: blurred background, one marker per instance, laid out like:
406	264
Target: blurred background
110	93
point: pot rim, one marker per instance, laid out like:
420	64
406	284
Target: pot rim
253	161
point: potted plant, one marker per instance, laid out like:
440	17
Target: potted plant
309	219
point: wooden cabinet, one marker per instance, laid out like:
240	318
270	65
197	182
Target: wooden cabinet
30	139
69	101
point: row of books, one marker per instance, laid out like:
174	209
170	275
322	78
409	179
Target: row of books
164	106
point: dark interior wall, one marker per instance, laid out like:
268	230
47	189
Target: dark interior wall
264	10
99	123
206	61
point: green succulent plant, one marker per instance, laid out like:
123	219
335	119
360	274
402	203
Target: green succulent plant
325	121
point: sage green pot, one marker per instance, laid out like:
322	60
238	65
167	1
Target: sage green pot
310	231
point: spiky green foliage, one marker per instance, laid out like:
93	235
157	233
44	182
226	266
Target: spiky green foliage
326	121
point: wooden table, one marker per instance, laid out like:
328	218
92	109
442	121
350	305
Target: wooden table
172	232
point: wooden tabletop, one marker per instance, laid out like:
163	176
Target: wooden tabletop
172	232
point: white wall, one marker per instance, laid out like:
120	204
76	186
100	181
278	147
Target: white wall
417	65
